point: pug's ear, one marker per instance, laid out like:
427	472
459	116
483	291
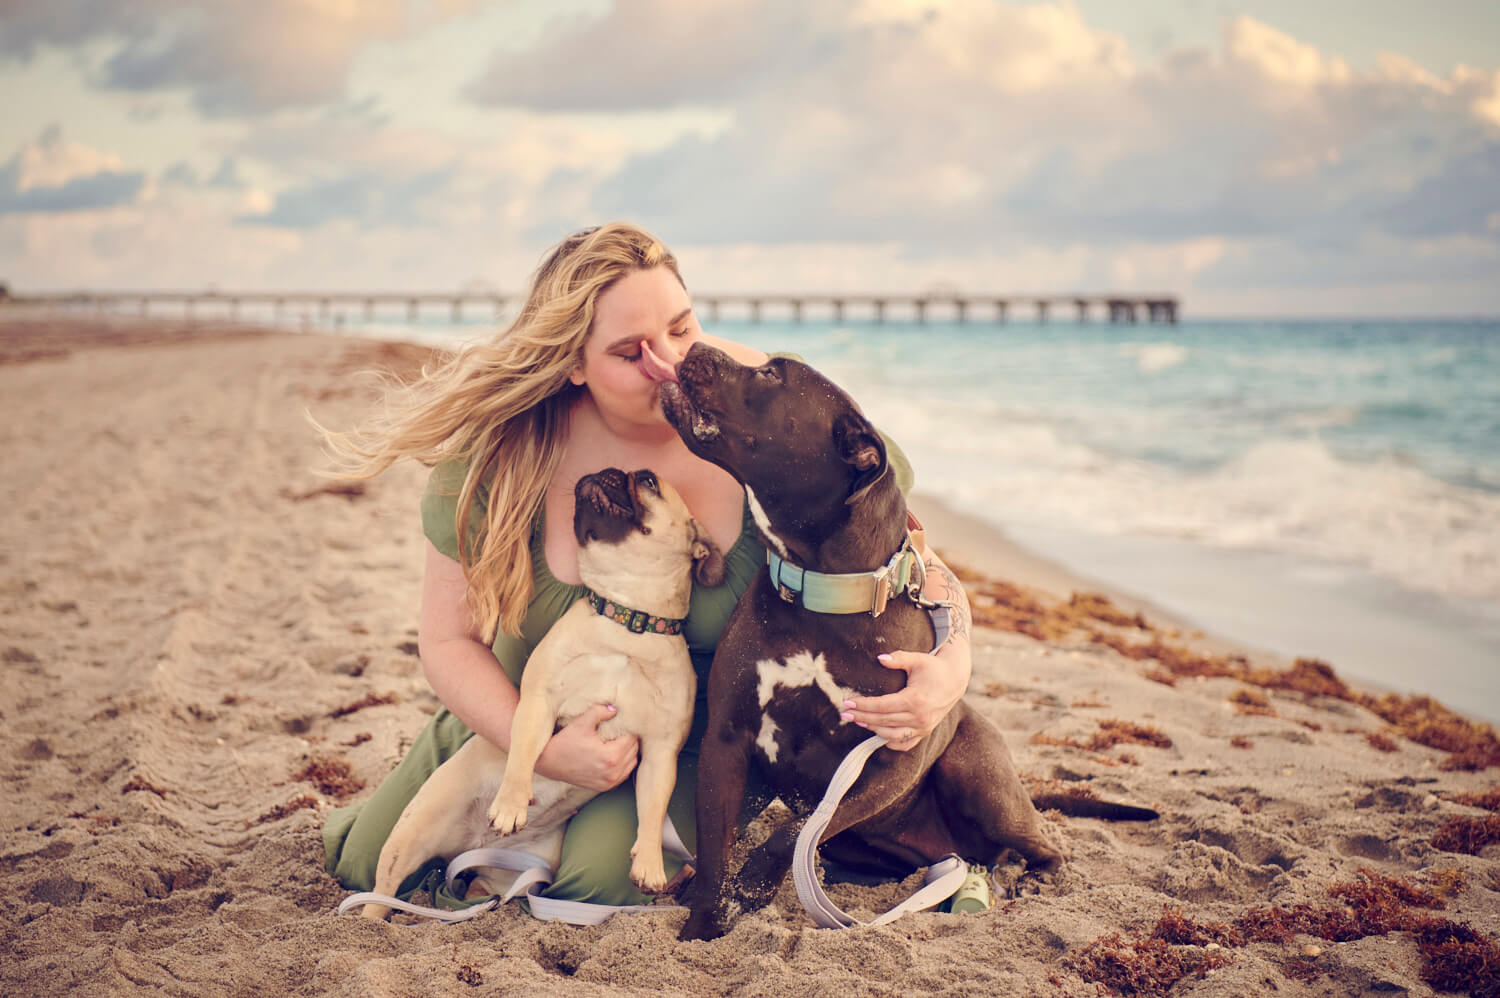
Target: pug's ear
708	563
862	449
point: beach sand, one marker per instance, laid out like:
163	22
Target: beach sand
196	631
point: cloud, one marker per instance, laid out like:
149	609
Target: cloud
647	54
235	57
370	200
52	175
1280	57
1000	128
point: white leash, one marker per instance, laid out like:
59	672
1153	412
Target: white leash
943	877
535	874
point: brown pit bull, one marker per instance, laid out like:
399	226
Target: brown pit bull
818	482
638	551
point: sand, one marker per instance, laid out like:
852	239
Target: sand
186	619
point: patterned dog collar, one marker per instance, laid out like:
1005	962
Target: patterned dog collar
636	621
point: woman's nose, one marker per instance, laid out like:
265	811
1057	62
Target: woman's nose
658	362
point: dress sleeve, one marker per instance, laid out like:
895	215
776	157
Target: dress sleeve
440	504
900	466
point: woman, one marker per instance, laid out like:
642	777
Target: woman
510	426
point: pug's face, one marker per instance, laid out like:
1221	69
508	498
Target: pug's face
634	524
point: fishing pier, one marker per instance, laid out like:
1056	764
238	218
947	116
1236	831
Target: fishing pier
327	305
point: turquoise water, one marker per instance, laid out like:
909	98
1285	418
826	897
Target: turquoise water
1311	487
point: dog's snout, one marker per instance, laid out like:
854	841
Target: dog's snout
702	364
608	491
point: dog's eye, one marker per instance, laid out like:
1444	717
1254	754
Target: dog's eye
646	480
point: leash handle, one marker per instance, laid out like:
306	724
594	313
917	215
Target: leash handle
943	877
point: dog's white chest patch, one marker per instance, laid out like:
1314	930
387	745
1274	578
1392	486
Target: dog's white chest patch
764	522
801	669
766	740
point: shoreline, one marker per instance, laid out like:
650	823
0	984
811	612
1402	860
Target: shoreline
199	632
993	551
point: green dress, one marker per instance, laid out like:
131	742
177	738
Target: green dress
595	864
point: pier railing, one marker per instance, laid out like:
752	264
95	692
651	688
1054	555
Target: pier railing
878	307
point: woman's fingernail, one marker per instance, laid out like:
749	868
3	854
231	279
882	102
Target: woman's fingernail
862	724
885	657
848	704
846	717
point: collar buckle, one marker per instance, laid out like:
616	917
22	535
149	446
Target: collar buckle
883	587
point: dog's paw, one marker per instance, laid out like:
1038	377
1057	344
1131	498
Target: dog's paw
647	870
701	925
508	815
1012	876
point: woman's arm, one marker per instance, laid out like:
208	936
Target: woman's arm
934	682
467	678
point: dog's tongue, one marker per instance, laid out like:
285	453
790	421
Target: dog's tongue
653	366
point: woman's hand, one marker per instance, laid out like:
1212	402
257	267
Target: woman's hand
577	754
934	684
935	681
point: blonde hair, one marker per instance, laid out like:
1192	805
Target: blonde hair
502	407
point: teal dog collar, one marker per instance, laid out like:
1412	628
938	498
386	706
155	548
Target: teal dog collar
850	592
636	621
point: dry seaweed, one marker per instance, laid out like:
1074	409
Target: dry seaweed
1247	701
282	810
1112	732
368	700
1454	956
140	783
1099	607
1489	799
1448	880
1467	835
1471	745
1143	966
1176	928
332	777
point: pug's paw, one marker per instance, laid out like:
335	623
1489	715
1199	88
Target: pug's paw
508	812
647	870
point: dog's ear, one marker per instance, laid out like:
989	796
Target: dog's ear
861	447
708	563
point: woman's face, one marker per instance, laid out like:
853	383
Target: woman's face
644	306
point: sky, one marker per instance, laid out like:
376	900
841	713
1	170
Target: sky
1260	157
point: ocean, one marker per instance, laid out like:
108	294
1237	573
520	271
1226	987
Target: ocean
1313	488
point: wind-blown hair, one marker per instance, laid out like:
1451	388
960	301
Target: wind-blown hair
502	408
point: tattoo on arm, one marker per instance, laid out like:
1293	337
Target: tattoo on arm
942	584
